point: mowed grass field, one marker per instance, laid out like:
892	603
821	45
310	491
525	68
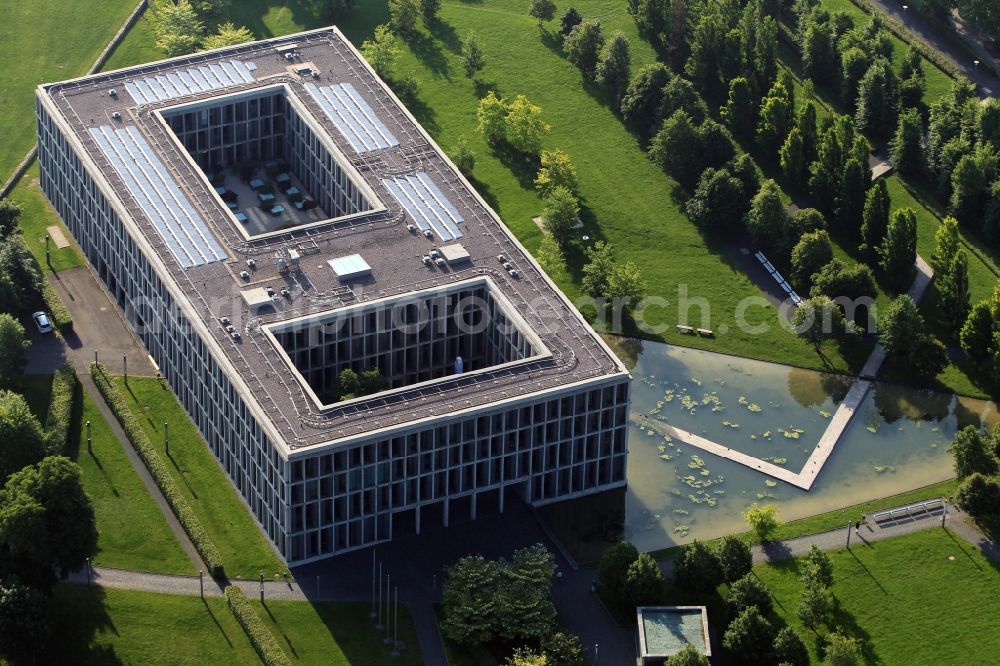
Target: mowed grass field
926	598
226	519
41	42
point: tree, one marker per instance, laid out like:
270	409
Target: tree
970	183
557	170
806	221
524	608
738	112
761	519
349	384
19	277
211	8
543	10
874	220
492	116
473	58
878	93
712	44
718	201
24	621
643	581
549	255
583	46
946	243
563	649
768	221
789	648
697	568
991	217
561	213
13	347
680	95
843	651
642	97
524	126
381	51
228	35
10	211
898	251
805	123
688	656
22	441
851	198
371	381
463	157
403	16
819	54
792	158
838	280
906	149
177	27
468	600
570	19
735	558
613	67
673	149
953	293
430	8
62	534
976	337
971	453
746	592
981	13
598	270
979	496
901	326
749	636
809	256
775	118
526	657
815	606
818	568
854	64
613	567
626	285
818	319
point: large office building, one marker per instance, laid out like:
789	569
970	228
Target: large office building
269	216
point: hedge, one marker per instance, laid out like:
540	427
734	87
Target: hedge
61	317
65	392
258	633
154	463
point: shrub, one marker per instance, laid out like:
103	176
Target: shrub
58	312
258	633
158	470
697	568
746	592
979	496
735	558
612	570
64	396
761	519
644	580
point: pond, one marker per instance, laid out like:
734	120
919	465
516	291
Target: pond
897	441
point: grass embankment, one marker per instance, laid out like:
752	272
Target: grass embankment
924	598
38	215
42	42
101	627
224	517
838	518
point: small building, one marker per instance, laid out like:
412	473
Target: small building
666	630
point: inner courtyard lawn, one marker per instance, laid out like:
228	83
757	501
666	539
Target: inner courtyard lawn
225	517
925	598
105	626
42	42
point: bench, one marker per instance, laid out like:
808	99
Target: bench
706	332
686	330
910	511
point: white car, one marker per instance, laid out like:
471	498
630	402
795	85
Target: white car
42	322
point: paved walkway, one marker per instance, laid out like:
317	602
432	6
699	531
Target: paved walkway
917	27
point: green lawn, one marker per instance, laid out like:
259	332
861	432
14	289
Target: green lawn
838	518
925	598
336	634
103	627
244	549
938	81
38	215
132	531
42	42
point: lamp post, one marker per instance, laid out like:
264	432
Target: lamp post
387	589
166	437
125	367
372	614
89	449
261	586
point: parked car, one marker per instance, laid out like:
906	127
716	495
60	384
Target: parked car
42	322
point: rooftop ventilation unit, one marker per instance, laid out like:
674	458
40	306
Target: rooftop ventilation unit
412	228
113	93
116	115
293	258
251	263
350	267
245	275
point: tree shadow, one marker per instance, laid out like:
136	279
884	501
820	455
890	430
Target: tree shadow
430	54
423	112
446	34
523	166
481	88
78	614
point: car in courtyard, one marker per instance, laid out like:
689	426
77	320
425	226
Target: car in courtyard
42	322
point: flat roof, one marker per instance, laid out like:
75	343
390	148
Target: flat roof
199	249
666	630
